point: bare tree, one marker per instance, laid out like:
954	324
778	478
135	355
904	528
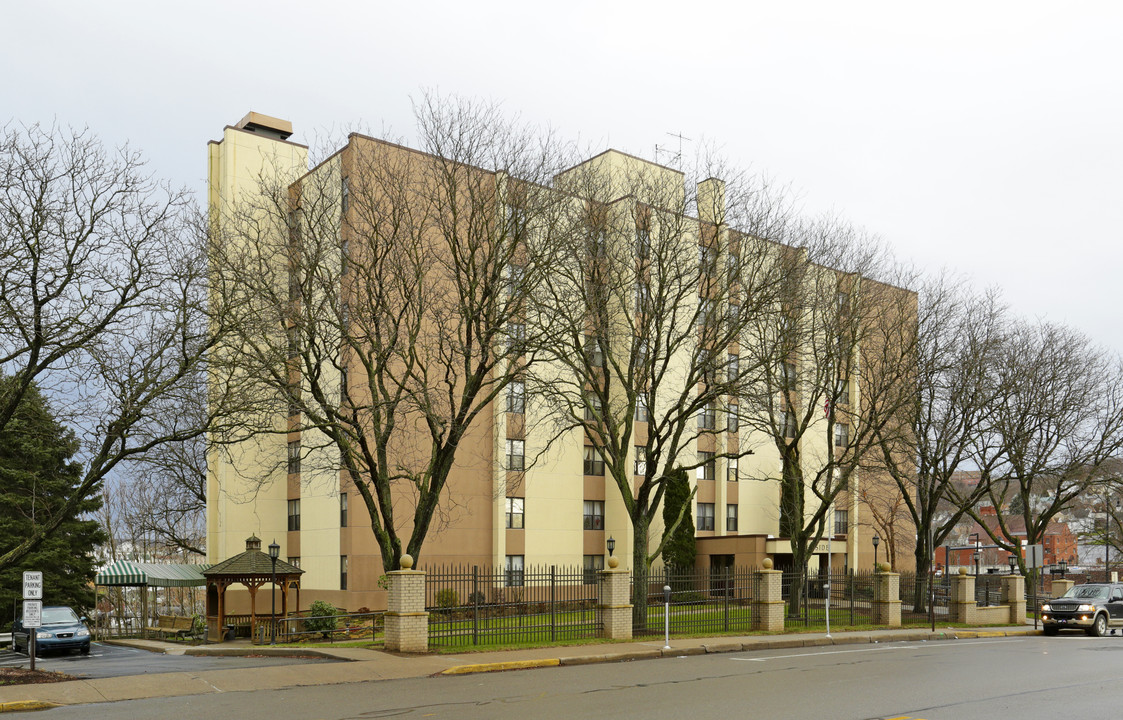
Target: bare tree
805	396
375	298
1054	427
942	365
101	301
652	278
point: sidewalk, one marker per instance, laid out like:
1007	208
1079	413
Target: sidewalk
368	665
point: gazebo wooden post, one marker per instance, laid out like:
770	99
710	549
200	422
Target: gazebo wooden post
221	611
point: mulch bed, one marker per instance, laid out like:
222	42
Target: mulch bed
23	676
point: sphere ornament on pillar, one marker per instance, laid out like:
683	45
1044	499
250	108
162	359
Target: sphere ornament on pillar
962	571
406	562
613	562
883	567
766	563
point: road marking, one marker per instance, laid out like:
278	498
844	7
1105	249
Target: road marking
877	649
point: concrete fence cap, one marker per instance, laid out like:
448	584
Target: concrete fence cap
406	562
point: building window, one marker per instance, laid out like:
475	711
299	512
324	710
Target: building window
844	391
733	367
294	515
593	515
593	407
841	435
706	468
515	513
643	298
516	455
294	342
707	417
705	307
707	259
733	418
515	277
345	196
514	571
294	457
787	374
344	383
344	257
641	460
642	414
342	572
731	470
787	423
594	463
731	518
342	509
733	315
593	565
516	337
294	561
594	351
705	516
643	242
841	522
516	397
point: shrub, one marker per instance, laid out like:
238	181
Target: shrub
322	617
447	598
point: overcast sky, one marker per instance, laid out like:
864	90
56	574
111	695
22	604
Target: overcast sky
980	136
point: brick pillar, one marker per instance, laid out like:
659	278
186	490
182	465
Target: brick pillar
614	602
963	598
1060	587
1014	595
768	601
887	599
407	623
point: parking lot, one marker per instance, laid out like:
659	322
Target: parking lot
114	660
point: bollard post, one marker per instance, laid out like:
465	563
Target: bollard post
667	615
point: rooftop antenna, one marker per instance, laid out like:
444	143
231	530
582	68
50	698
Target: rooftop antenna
675	156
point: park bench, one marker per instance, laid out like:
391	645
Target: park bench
178	625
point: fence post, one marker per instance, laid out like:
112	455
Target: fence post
728	590
1060	587
1014	595
962	602
475	604
407	623
553	603
887	602
613	601
768	600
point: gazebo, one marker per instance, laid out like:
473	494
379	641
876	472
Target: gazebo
253	568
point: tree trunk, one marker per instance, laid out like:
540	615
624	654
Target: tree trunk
640	575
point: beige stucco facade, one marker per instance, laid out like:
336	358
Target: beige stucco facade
249	489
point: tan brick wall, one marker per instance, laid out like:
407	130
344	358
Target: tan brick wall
768	602
615	606
887	599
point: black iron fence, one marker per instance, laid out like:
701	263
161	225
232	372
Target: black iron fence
916	596
988	590
847	595
702	601
485	606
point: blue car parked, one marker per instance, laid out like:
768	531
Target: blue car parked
62	629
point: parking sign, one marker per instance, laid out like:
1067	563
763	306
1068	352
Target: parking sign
32	613
33	585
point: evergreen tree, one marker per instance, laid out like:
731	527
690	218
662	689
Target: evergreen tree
679	549
37	476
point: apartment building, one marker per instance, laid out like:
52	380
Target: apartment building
528	486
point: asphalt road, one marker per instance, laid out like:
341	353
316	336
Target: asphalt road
1023	678
114	661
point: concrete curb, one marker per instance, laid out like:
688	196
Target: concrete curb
716	648
500	666
25	705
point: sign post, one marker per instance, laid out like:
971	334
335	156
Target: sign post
1035	556
32	610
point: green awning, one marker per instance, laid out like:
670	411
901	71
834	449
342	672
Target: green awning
127	572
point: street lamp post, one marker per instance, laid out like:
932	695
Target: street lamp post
1013	560
611	545
975	555
876	542
274	551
